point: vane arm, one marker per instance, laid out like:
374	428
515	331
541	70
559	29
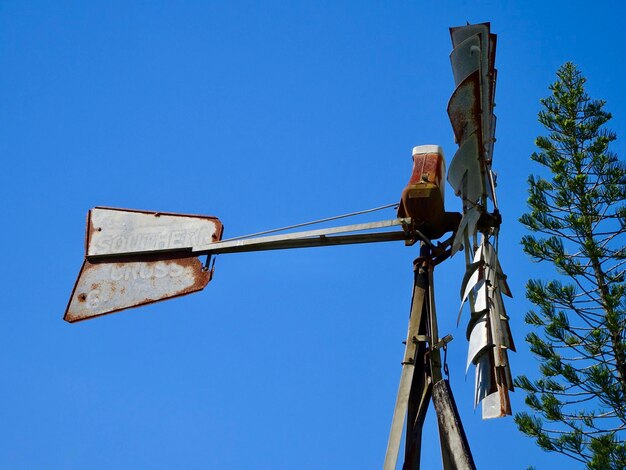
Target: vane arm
313	238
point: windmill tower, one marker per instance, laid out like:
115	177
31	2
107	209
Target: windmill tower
134	258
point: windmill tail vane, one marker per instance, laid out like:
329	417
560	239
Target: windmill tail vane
134	258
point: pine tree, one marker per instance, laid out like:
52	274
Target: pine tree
577	219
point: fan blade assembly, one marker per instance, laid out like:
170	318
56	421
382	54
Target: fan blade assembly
471	114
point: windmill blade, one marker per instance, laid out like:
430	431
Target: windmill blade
471	113
475	50
488	331
471	105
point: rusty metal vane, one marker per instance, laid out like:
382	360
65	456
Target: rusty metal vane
134	258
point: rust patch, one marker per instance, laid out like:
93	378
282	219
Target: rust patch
423	197
107	287
158	214
88	231
113	231
464	109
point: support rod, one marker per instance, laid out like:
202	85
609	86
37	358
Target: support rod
321	240
320	237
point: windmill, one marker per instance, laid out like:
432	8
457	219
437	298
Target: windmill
134	258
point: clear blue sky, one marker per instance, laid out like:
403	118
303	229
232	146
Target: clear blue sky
263	114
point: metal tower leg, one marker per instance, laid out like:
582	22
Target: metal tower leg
421	380
419	398
413	355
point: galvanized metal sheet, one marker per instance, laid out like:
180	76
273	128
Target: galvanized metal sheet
504	317
471	114
121	231
498	403
509	379
492	406
461	33
478	340
491	260
497	276
470	278
499	339
108	287
466	227
491	137
465	175
481	301
473	275
466	58
483	384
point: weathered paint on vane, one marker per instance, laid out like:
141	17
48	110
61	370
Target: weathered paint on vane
471	106
464	108
121	231
108	287
475	49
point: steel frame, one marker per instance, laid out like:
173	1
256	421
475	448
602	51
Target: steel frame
421	380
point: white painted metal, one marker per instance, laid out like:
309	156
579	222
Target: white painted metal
121	231
109	287
427	149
